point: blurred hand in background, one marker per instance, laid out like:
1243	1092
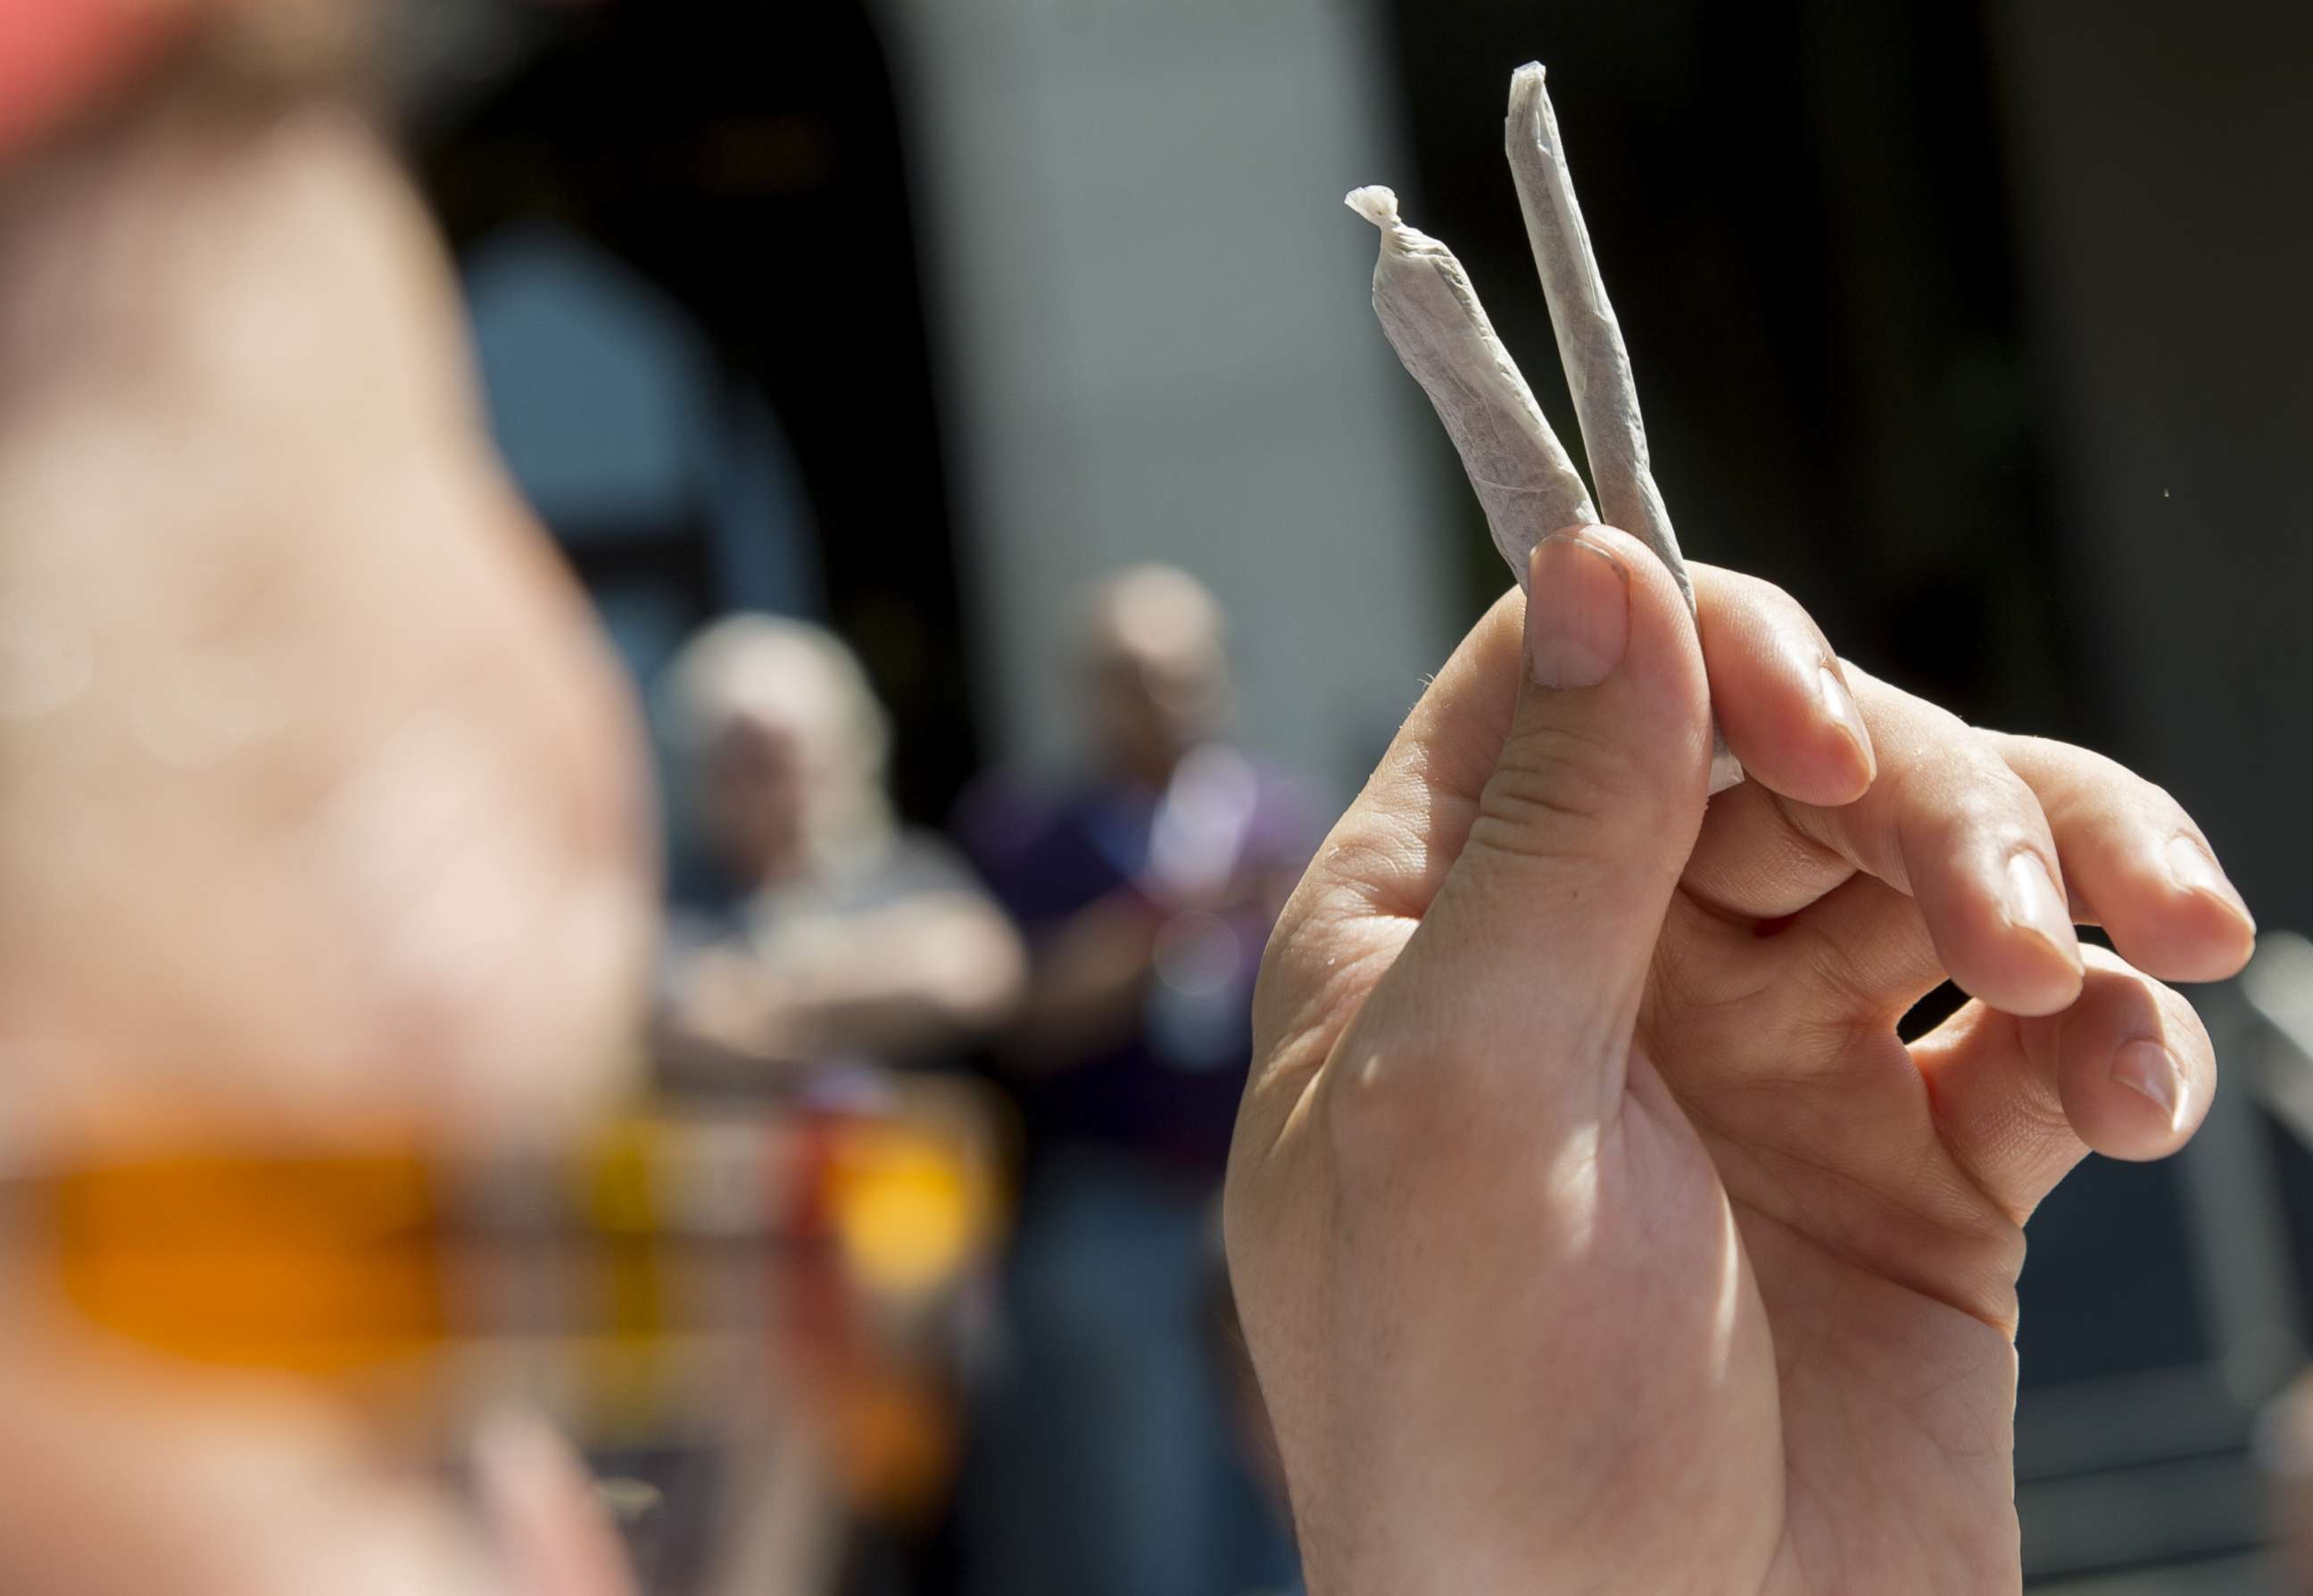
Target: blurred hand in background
825	930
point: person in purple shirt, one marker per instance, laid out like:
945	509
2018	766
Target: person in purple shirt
1145	893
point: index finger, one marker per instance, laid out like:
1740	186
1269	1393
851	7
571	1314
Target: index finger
1778	692
1381	867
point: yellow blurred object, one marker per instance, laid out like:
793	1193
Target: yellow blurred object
909	1208
322	1261
628	1284
615	1179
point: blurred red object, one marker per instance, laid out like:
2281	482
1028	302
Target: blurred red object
57	56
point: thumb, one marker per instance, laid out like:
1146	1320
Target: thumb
1544	929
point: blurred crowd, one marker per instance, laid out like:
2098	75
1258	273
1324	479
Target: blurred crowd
330	925
1086	947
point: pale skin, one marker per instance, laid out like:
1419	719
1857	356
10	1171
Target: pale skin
1592	1228
323	808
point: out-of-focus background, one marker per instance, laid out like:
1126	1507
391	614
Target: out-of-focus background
1982	329
934	323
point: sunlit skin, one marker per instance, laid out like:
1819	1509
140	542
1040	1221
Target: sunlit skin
322	811
1592	1229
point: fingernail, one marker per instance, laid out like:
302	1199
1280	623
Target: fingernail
2190	866
2035	904
1578	612
1839	704
2145	1067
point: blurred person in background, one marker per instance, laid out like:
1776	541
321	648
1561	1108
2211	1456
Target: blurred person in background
822	947
1147	891
823	930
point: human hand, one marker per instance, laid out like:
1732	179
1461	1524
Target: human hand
725	998
1592	1227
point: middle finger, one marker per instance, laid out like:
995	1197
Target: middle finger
1947	824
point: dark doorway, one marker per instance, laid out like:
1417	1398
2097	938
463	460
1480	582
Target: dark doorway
744	163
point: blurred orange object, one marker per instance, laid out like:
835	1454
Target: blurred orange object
620	1282
896	1437
310	1265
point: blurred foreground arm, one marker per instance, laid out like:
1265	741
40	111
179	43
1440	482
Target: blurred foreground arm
323	807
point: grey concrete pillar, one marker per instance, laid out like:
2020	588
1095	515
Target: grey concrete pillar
1152	308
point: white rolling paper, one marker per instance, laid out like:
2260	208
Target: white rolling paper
1590	339
1432	316
1527	483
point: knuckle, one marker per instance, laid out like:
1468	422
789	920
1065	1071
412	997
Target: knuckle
1740	590
1554	788
2181	1025
1391	1102
1966	793
1374	1111
1775	608
1833	968
2093	770
2159	802
1774	598
2065	773
2026	748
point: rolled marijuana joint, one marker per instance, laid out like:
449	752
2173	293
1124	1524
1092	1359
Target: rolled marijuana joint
1521	472
1524	478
